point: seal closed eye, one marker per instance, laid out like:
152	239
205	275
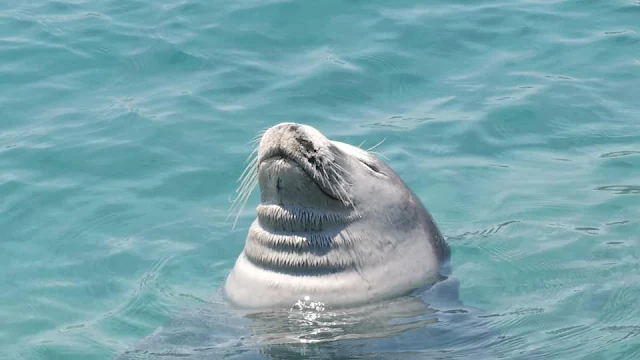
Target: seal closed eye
335	224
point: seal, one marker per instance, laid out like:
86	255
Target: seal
335	225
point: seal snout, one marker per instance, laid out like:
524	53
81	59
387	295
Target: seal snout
298	165
293	141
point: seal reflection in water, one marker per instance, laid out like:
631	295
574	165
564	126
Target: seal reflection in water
335	224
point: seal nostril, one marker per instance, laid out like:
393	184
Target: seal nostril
306	144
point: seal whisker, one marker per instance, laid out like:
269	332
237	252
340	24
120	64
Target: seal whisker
251	166
336	180
248	181
250	173
337	172
244	196
325	177
247	187
332	180
259	135
340	168
251	156
376	145
379	154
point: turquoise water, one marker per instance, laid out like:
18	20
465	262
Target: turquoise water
125	124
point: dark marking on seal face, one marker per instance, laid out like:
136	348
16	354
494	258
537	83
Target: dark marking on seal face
306	144
279	184
310	151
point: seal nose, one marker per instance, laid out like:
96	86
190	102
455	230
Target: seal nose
286	127
292	136
280	130
277	138
292	127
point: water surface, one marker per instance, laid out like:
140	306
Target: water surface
125	125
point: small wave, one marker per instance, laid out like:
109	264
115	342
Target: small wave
380	61
620	153
620	189
482	233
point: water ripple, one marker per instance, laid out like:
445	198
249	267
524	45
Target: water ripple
124	125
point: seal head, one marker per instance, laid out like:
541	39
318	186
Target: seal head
335	224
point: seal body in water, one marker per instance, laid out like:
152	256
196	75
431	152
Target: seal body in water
335	224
